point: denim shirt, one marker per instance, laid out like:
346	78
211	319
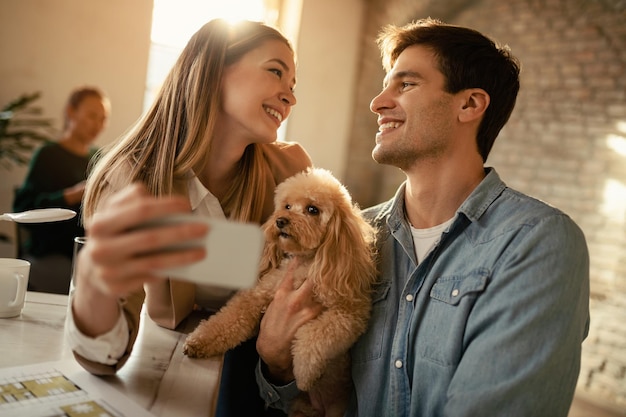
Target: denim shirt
490	323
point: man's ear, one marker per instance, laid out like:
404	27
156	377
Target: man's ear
476	101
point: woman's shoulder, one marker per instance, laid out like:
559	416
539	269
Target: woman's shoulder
290	151
47	148
286	158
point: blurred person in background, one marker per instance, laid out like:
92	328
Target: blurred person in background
56	178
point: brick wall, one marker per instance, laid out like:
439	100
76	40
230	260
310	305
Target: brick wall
565	143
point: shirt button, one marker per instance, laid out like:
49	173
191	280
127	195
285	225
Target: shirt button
455	292
398	364
409	297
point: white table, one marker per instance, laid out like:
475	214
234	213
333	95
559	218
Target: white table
157	376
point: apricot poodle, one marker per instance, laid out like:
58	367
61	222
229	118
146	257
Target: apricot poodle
315	221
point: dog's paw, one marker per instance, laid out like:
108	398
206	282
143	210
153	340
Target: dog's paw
191	349
196	348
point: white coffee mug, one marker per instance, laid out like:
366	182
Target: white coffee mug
13	284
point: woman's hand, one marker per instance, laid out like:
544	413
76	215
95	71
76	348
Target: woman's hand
74	194
119	257
290	309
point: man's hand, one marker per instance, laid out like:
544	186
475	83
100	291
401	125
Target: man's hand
290	309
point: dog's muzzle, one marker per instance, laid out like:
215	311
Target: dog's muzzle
282	222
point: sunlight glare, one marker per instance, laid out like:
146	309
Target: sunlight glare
174	21
617	143
614	204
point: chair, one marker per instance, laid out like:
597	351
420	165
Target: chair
21	237
50	273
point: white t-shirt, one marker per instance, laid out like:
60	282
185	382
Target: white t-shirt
109	347
425	240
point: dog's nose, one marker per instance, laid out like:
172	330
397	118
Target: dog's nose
281	222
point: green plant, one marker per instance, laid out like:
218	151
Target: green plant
22	129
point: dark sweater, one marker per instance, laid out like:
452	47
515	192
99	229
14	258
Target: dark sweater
52	169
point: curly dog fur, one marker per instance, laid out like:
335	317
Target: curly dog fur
315	221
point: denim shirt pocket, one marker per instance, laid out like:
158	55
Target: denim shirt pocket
451	290
369	345
443	321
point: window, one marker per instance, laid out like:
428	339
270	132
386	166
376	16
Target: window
175	21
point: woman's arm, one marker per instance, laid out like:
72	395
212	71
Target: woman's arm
118	258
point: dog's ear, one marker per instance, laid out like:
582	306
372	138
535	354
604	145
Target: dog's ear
344	263
272	255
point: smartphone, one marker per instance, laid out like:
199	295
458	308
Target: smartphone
233	253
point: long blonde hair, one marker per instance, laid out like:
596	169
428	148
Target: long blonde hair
175	135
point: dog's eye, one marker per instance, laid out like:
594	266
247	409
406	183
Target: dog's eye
312	210
287	206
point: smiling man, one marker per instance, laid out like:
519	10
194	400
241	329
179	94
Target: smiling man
483	300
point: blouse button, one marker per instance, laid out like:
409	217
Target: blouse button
409	297
398	364
455	292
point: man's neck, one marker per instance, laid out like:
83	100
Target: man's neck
431	198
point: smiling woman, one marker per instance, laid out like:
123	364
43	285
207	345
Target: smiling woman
207	145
